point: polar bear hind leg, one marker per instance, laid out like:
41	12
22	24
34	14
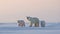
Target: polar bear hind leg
36	24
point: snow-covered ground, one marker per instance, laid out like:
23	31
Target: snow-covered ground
12	28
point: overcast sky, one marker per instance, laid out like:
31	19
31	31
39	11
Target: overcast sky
12	10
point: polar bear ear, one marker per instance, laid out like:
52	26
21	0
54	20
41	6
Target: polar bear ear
27	16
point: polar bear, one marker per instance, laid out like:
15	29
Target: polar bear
33	20
21	23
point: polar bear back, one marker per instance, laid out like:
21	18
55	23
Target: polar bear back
34	20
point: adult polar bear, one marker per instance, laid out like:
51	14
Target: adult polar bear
33	20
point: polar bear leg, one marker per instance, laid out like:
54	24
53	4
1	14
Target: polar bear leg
36	24
31	24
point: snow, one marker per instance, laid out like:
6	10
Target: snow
12	28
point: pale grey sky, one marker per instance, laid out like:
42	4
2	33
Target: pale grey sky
12	10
